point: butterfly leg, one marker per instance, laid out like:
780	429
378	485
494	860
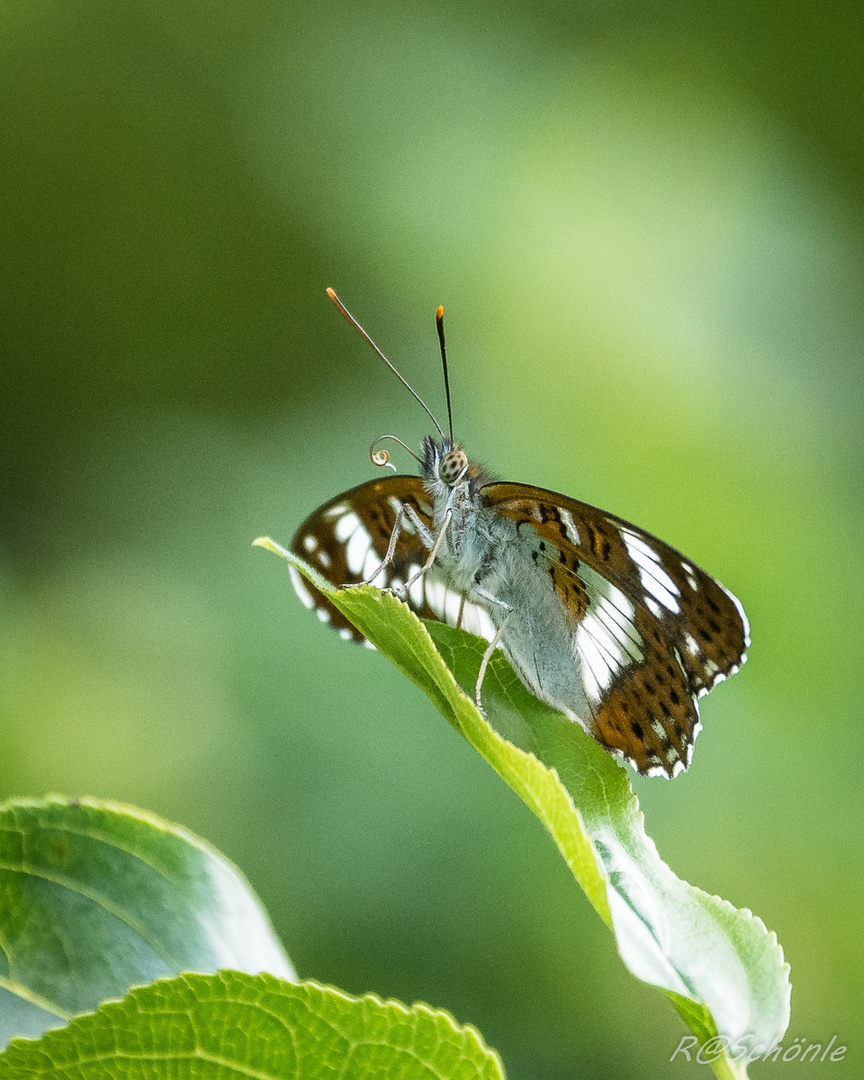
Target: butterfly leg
406	510
461	612
436	544
492	646
425	535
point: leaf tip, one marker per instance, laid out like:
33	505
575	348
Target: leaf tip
268	544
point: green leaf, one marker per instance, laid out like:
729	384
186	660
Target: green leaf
232	1024
721	968
95	898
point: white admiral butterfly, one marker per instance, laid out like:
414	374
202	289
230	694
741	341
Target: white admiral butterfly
600	619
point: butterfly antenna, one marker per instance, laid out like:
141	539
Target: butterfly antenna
369	340
439	326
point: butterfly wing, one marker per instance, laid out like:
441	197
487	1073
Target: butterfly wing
346	540
655	632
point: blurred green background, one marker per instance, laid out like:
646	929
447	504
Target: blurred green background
645	223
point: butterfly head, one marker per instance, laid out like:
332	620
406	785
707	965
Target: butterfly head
446	466
443	462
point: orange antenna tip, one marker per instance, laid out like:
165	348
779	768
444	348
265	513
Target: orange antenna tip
332	294
439	314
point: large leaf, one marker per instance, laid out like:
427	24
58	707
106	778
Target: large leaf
95	898
721	968
208	1027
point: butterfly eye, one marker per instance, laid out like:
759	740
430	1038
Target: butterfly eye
452	466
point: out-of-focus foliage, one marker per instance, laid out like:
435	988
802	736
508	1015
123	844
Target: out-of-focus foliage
99	897
208	1026
644	222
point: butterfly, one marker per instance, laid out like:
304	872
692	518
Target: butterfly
598	618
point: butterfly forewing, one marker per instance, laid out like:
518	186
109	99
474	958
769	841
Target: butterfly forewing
638	692
655	632
346	540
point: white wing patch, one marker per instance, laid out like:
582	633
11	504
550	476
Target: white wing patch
596	670
607	640
476	621
370	564
358	547
654	578
452	607
345	526
436	596
744	620
570	528
446	604
300	588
